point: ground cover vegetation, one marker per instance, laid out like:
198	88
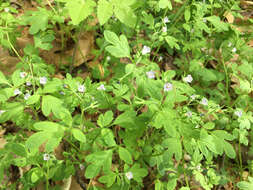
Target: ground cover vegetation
126	94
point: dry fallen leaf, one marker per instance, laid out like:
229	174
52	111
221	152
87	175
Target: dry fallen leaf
230	18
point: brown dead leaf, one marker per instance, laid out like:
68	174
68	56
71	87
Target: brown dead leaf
230	18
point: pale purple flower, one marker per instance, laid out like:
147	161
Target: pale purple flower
6	9
43	80
164	29
150	74
108	58
17	92
204	101
145	50
28	83
166	20
2	111
62	93
101	87
193	97
46	157
238	113
81	88
129	175
22	74
27	96
188	79
189	114
234	50
167	87
81	167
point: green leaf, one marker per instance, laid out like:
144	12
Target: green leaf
209	125
163	4
174	147
187	14
36	26
106	119
218	24
104	11
78	135
33	99
172	42
244	185
119	47
92	171
158	185
49	103
138	172
18	149
43	41
3	80
125	14
125	155
48	126
16	80
108	179
108	137
34	141
80	10
229	150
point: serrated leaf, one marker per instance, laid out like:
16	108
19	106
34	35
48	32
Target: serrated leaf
108	179
49	103
47	126
104	11
3	80
218	24
80	10
229	150
34	141
78	135
106	119
92	171
33	99
163	4
119	47
126	15
125	155
18	149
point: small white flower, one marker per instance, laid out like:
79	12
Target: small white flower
193	97
166	20
27	95
46	157
192	30
189	114
62	93
234	50
81	167
17	92
28	83
204	101
188	79
150	74
229	44
167	87
22	74
81	88
145	50
160	58
2	111
43	80
129	175
204	20
6	9
108	58
238	113
65	86
164	29
101	87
